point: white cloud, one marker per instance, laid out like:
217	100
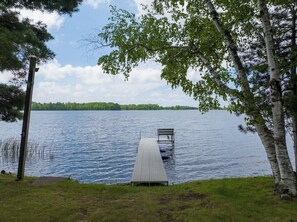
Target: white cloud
53	20
139	4
194	75
54	71
91	75
145	74
95	3
85	84
52	88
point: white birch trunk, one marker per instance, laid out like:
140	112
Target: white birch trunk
232	48
294	84
267	140
264	134
288	179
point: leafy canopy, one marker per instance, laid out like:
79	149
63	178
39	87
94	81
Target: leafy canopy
20	39
11	102
182	37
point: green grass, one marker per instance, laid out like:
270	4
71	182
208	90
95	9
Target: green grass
240	199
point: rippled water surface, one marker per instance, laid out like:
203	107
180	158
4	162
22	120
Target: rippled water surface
100	146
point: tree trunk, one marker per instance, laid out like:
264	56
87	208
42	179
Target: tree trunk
233	51
263	132
266	137
288	180
293	80
294	120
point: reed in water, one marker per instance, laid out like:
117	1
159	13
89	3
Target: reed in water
10	149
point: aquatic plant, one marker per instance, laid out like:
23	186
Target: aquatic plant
10	149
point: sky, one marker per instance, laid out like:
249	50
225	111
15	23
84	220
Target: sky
74	76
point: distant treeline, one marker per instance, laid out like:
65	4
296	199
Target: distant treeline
103	106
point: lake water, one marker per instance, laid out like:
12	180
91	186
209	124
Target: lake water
100	146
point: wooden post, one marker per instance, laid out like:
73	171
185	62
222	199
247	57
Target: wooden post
26	119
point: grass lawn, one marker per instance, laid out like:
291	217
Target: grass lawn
239	199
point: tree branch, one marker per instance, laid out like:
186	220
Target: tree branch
232	48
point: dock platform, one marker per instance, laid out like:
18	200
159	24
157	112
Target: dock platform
149	167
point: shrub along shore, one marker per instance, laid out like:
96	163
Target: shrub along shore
236	199
104	106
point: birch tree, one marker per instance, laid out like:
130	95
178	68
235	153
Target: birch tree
221	41
284	18
288	178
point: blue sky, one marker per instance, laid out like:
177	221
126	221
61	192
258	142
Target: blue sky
88	21
74	76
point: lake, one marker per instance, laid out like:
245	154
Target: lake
100	146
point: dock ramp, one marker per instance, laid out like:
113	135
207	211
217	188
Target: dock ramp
149	167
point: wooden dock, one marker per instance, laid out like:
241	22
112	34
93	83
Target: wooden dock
149	167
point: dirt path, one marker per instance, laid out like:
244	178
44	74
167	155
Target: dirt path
47	180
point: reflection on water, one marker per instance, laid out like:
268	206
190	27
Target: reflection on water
100	146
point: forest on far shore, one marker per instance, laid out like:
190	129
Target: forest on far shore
103	106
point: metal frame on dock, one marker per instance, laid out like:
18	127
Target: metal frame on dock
166	135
